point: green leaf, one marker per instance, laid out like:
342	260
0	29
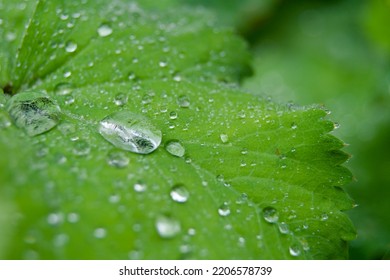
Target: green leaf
235	176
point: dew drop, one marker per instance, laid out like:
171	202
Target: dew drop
130	132
100	233
34	112
283	228
175	148
104	30
120	99
179	193
224	210
224	138
183	101
117	159
139	187
270	214
173	115
336	125
324	217
70	47
81	148
294	250
63	88
294	126
167	227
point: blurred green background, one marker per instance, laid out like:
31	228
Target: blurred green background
337	54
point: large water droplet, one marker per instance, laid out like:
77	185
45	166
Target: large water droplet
270	214
34	112
224	210
167	227
104	30
179	193
117	159
130	132
174	147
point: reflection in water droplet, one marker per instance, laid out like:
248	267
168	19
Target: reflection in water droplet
117	159
224	138
179	193
183	101
70	47
34	112
175	148
270	214
130	132
81	148
167	227
224	210
104	30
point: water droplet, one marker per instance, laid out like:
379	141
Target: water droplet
120	99
117	159
81	148
183	101
70	47
174	147
224	210
167	227
283	228
270	214
100	233
173	115
336	125
179	193
324	217
63	88
54	218
244	151
294	126
294	250
139	187
224	138
162	64
34	112
104	30
73	217
130	132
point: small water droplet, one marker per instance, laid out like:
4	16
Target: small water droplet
100	233
70	47
34	112
294	125
336	125
224	138
73	217
241	115
294	250
139	187
104	30
179	193
324	217
183	101
63	88
117	159
283	228
242	199
54	218
173	115
270	214
81	148
175	148
167	227
130	132
120	99
244	151
224	210
162	64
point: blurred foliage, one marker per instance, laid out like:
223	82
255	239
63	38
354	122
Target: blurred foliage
336	53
